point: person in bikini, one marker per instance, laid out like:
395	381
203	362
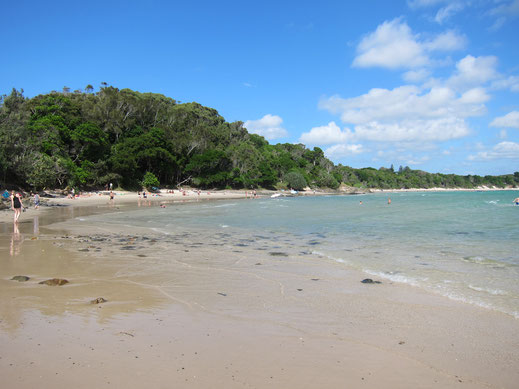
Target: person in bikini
16	205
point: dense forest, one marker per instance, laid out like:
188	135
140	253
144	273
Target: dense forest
87	139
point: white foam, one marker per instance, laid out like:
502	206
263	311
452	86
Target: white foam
224	205
340	260
396	277
160	231
494	292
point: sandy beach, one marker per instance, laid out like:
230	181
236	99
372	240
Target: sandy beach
202	310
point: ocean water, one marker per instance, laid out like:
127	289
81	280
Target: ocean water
461	245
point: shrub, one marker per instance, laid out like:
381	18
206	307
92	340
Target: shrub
295	180
150	180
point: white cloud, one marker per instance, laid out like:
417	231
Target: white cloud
408	114
511	82
451	7
432	130
413	161
324	135
503	150
474	96
446	12
472	71
511	120
417	75
447	41
504	12
344	150
394	46
407	101
269	126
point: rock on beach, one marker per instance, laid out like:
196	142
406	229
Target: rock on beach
54	282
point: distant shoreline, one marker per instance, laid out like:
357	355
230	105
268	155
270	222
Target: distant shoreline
101	198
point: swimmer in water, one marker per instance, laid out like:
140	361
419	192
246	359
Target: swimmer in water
516	201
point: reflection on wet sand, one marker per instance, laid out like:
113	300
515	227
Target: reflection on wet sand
36	225
16	241
90	278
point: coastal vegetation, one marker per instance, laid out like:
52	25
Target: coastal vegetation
87	139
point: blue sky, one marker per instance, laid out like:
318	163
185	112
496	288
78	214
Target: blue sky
432	84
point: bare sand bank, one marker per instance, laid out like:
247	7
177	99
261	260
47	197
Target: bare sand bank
204	310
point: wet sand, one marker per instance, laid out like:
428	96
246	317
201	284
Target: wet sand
209	309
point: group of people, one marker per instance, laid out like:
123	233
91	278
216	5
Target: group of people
17	203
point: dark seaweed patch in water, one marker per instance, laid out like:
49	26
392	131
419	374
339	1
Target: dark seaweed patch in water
313	243
278	254
241	245
128	248
318	234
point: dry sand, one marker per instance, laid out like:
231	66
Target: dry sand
200	312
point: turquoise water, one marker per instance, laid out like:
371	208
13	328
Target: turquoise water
462	245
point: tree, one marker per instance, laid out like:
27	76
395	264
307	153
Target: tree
150	181
295	180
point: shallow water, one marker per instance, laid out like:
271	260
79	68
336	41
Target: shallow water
462	245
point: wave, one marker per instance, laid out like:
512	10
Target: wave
494	292
397	277
486	261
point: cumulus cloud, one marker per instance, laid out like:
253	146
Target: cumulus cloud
417	130
416	75
503	150
394	46
472	71
391	45
404	114
269	126
474	96
407	101
511	82
344	150
324	135
511	120
447	41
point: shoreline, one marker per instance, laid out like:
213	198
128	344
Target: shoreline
202	310
127	197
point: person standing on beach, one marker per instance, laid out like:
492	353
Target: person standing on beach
36	201
16	205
